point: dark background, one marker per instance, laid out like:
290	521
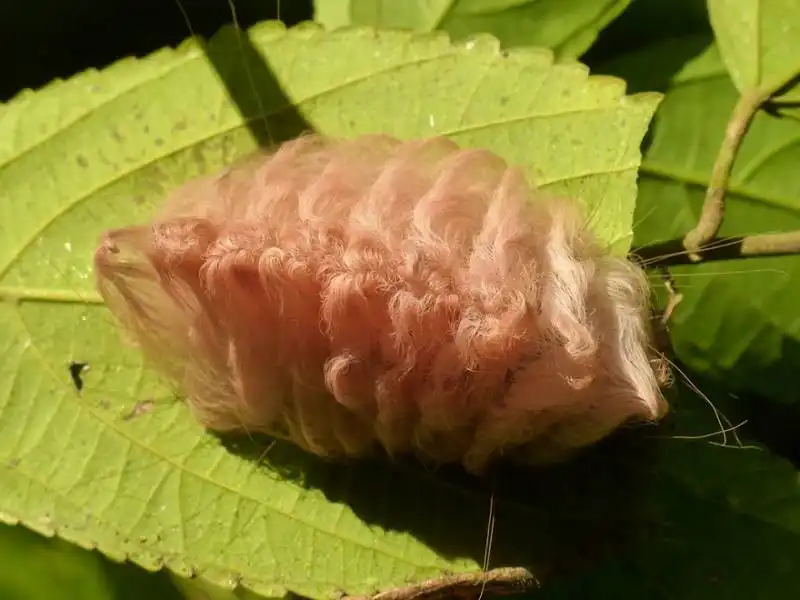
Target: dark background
44	39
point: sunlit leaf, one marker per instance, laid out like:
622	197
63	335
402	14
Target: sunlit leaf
121	466
759	41
567	26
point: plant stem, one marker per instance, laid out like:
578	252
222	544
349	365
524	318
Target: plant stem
501	581
672	252
714	204
771	244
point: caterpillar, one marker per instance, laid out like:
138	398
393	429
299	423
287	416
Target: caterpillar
352	295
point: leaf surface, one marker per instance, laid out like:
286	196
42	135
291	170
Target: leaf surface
71	572
121	466
567	26
707	506
759	41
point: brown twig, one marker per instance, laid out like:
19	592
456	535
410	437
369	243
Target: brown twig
672	252
661	319
771	244
674	297
501	581
714	204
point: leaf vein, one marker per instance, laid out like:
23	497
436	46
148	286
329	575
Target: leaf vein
183	470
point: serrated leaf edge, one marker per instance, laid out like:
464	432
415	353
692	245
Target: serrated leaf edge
190	49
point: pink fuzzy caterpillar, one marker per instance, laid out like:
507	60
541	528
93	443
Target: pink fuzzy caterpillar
412	295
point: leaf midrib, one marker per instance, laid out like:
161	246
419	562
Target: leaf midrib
192	56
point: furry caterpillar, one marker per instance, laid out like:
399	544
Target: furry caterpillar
354	294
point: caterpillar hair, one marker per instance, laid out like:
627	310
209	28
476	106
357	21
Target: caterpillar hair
349	295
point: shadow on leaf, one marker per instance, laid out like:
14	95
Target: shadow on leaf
270	116
551	520
638	514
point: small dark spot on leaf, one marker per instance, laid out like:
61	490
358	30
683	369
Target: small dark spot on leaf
104	404
180	126
117	135
140	408
159	141
76	370
82	161
503	100
147	128
12	463
138	199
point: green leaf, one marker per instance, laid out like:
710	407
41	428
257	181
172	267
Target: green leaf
567	26
71	571
758	40
197	589
419	15
738	319
121	466
723	522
